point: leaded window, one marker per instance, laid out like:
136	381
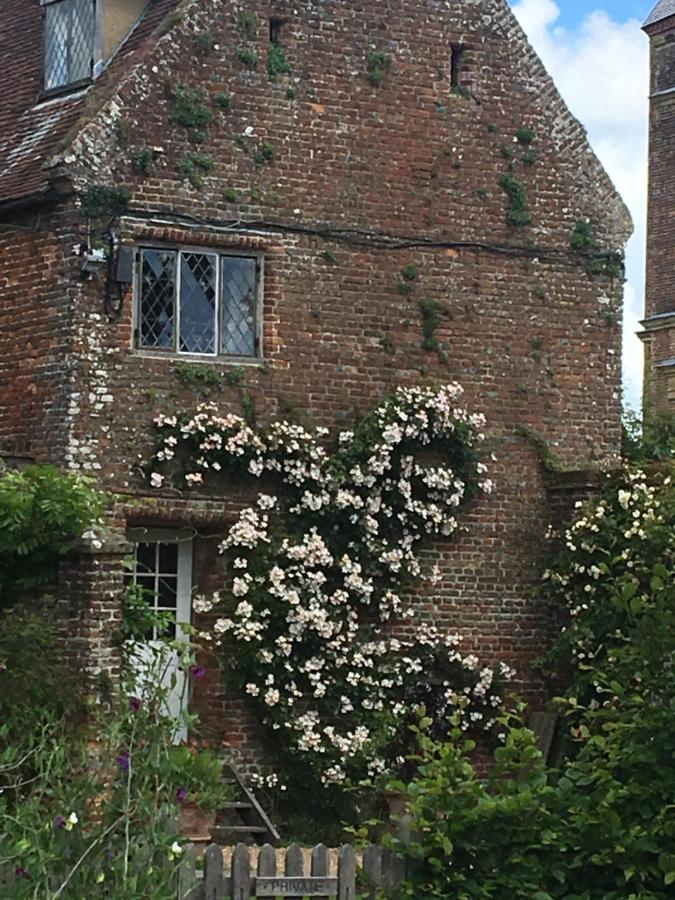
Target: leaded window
69	29
198	302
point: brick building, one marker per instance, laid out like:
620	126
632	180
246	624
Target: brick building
659	323
285	161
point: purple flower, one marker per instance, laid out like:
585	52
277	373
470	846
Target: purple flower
20	872
3	667
123	760
181	794
198	671
135	704
59	822
110	855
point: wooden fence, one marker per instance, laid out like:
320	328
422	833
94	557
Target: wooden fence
381	871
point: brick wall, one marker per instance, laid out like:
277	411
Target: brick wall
660	293
364	180
35	327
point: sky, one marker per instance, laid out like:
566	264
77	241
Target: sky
599	59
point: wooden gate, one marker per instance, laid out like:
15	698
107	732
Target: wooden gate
381	870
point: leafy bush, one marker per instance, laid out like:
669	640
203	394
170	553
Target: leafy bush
34	679
651	439
91	811
602	828
199	774
42	513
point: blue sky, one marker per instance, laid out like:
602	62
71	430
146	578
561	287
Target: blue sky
599	58
573	11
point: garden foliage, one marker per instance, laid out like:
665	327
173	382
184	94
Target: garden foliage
603	827
42	514
88	807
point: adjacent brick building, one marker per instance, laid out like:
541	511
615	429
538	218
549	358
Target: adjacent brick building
285	162
659	324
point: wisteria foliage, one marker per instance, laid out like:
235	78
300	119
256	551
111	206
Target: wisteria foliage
326	644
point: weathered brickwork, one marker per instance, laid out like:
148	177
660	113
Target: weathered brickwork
659	334
360	180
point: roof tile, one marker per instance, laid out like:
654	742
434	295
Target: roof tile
662	10
31	129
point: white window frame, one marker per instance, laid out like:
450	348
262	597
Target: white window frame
220	254
184	539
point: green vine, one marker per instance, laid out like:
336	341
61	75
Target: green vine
104	199
189	108
141	162
204	42
597	262
377	65
248	24
277	64
525	136
517	213
548	458
265	155
199	375
248	57
223	100
194	166
430	322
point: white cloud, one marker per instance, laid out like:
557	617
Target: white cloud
602	70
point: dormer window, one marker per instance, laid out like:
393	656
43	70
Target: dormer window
69	29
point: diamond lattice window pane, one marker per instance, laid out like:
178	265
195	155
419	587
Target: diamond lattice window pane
81	40
158	289
238	308
57	28
69	42
198	276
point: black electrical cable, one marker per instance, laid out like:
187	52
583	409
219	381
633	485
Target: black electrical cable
367	238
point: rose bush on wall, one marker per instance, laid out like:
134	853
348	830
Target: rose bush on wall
317	571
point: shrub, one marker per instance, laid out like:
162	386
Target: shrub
91	811
601	828
650	439
42	513
34	680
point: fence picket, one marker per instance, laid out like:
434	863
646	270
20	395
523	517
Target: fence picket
295	866
267	861
372	866
186	874
214	886
241	873
320	864
347	873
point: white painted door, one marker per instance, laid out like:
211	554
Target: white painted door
163	569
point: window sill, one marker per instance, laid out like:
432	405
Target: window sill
65	89
251	361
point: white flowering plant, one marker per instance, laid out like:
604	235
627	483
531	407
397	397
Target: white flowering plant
328	648
611	563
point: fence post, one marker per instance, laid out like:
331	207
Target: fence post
241	873
214	887
320	864
347	873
